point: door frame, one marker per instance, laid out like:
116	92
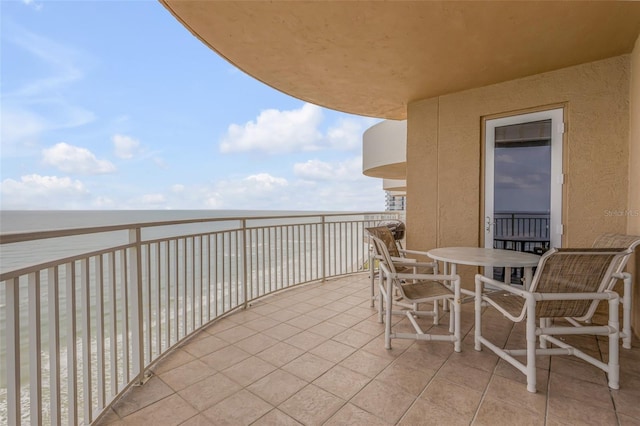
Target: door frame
556	114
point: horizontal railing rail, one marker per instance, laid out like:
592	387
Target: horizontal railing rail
78	329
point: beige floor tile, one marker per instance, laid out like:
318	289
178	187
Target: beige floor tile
302	307
204	345
508	371
235	334
283	315
308	366
282	331
332	351
109	418
424	413
169	411
172	360
565	386
305	340
460	400
515	393
409	379
225	357
575	412
241	408
276	417
353	338
628	420
248	371
342	382
462	374
210	391
138	397
493	412
304	321
345	320
263	323
277	386
327	329
365	363
199	420
280	354
578	369
416	357
627	397
312	405
389	402
257	343
187	374
352	415
323	314
371	328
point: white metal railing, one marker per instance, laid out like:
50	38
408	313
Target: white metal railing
77	331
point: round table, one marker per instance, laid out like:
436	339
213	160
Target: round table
477	256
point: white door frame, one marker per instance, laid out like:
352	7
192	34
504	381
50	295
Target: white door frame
557	177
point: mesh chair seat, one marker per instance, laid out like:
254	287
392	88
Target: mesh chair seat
424	290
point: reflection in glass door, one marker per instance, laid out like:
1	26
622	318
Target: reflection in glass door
523	182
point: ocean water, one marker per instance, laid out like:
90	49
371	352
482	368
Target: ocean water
19	255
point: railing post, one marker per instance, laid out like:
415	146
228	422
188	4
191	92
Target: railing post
135	277
245	284
324	245
13	351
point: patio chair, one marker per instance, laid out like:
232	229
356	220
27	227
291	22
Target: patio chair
399	256
423	288
610	240
566	283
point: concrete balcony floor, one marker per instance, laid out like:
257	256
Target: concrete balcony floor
315	355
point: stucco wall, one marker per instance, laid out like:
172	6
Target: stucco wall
444	153
633	220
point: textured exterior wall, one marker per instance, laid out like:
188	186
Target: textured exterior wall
444	153
633	224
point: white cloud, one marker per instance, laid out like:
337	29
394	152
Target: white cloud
346	134
73	159
347	170
43	192
276	131
33	4
126	146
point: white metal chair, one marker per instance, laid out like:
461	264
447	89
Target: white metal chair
415	289
566	284
610	240
399	256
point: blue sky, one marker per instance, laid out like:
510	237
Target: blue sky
115	105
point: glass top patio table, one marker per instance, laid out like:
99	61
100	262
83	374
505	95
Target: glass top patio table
489	257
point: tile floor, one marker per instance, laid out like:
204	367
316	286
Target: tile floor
315	355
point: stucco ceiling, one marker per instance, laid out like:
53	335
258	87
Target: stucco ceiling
373	58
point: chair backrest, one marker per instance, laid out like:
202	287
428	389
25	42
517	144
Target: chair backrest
384	234
570	270
618	240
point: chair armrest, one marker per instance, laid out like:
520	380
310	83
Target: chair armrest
480	279
431	277
421	253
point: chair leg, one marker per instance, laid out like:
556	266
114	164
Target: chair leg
389	308
382	300
614	365
531	345
372	278
478	315
626	313
436	312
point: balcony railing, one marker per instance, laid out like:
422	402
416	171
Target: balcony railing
79	330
